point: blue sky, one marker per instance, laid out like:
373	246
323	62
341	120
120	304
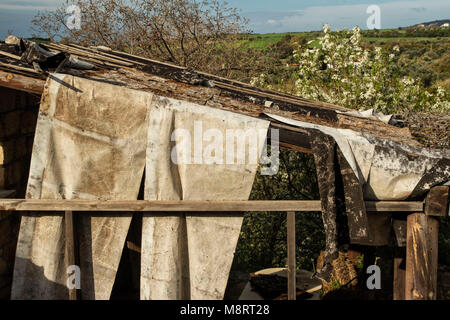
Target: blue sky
271	15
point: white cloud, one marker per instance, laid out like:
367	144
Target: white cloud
393	14
27	8
28	5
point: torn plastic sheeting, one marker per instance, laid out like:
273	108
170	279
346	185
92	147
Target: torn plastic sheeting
386	171
89	144
189	257
370	114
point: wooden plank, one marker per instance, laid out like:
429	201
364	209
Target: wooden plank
155	206
71	247
14	67
394	206
9	55
292	267
105	54
294	148
421	257
22	83
142	60
436	203
399	273
84	54
94	61
291	139
190	206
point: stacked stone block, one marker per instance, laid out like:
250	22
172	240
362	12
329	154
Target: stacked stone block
18	117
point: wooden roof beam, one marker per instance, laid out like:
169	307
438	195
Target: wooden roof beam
22	83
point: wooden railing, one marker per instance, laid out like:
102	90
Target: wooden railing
193	206
78	207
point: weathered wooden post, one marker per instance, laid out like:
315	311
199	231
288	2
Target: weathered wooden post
72	257
292	268
399	273
422	247
399	222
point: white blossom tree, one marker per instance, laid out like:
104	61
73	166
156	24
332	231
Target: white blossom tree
339	70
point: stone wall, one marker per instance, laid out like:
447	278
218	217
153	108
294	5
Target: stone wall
18	117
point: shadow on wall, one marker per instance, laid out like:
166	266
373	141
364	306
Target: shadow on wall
18	118
39	287
31	283
9	229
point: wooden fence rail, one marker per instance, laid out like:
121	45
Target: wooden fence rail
193	206
73	207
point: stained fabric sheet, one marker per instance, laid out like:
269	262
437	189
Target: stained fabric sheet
92	141
353	167
90	144
189	257
385	170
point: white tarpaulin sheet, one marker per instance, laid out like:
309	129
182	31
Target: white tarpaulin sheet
90	144
384	173
189	257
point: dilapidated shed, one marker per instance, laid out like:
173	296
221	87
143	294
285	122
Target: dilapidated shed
104	116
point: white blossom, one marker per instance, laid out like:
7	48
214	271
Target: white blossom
358	78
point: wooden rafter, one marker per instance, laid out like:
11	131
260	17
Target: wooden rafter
21	82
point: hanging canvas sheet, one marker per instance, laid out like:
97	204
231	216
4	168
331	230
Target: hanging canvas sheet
93	140
90	144
190	256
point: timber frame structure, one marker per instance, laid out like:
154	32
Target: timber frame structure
409	284
419	281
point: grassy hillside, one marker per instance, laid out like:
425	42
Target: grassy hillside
263	41
425	52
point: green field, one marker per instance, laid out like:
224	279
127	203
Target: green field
398	39
263	41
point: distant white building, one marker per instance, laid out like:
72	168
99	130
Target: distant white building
445	25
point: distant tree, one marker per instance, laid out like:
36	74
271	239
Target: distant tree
184	32
103	22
